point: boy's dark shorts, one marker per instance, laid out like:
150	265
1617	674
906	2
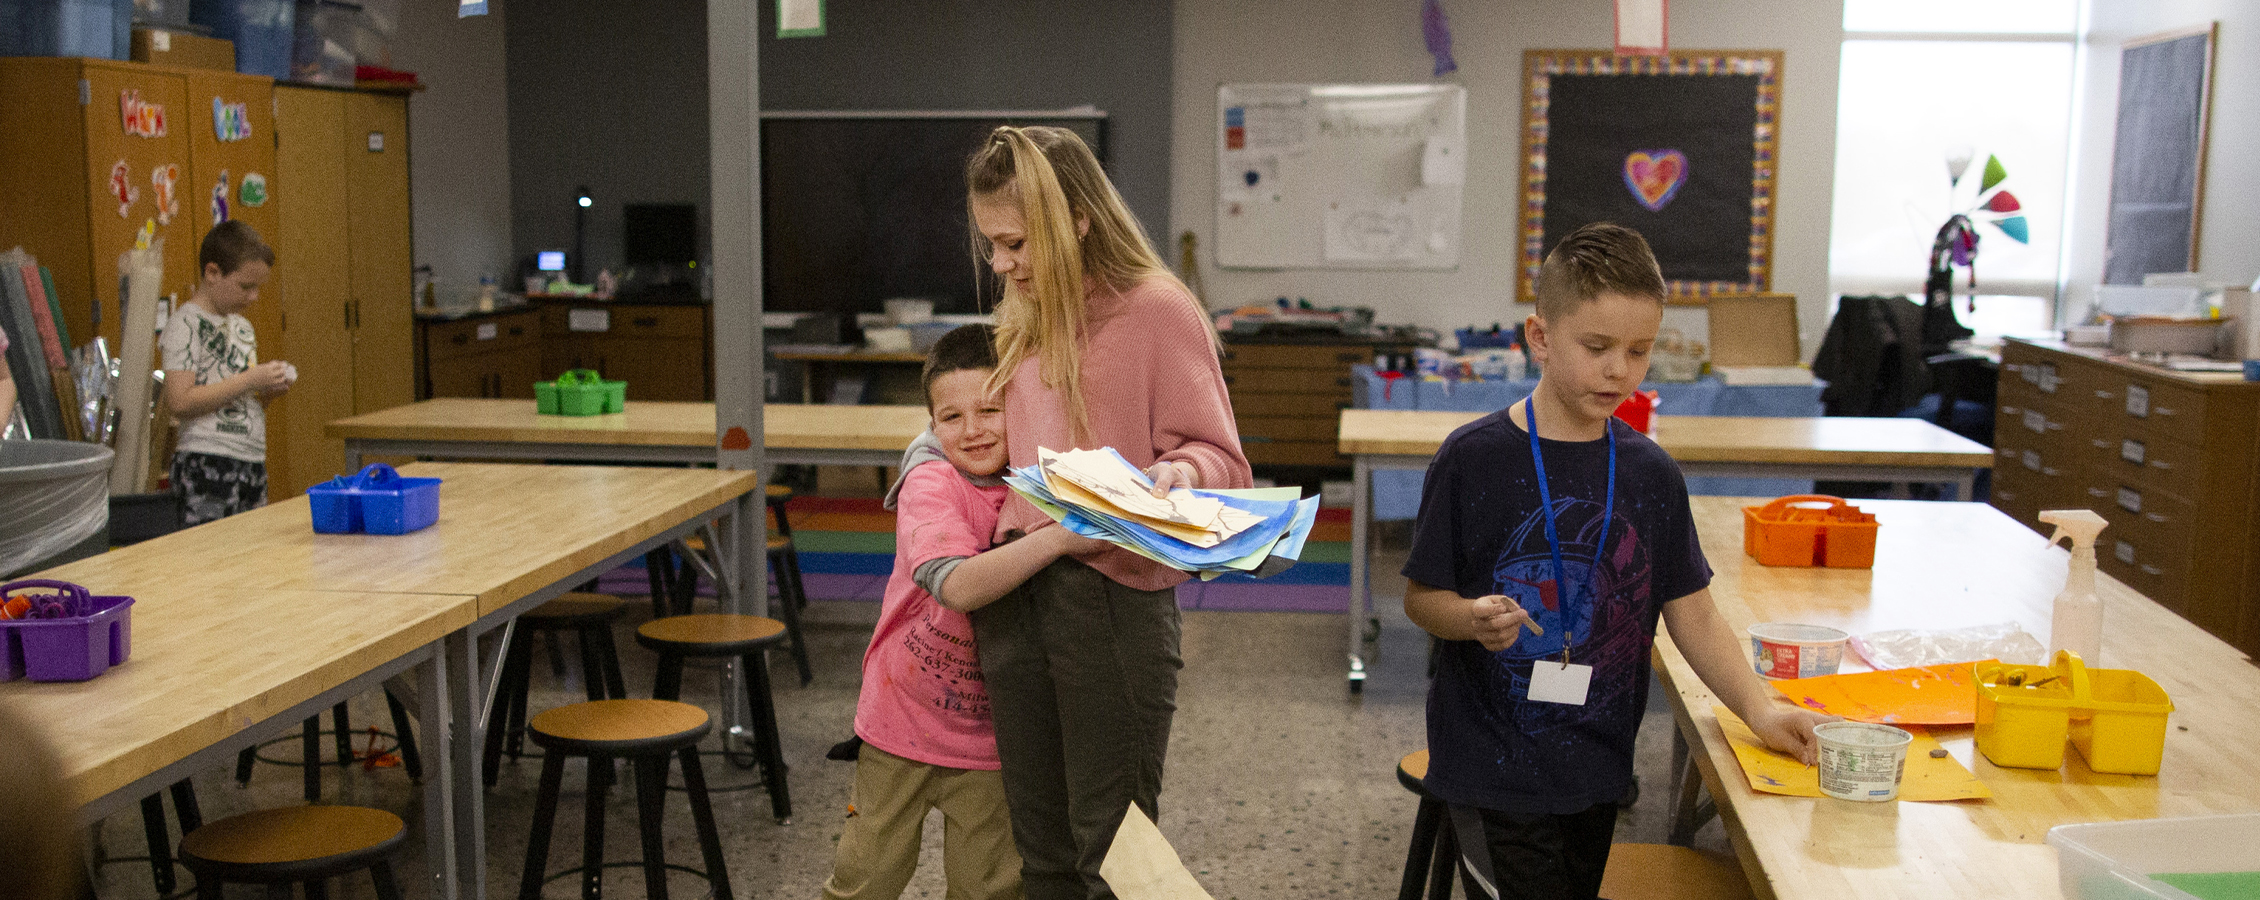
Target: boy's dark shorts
215	487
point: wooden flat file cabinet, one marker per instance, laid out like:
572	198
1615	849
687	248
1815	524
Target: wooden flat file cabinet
661	350
489	355
1288	398
2171	459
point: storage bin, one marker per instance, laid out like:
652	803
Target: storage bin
102	29
377	500
2120	727
321	44
580	392
2022	723
261	29
1790	532
67	649
2116	718
52	497
2150	857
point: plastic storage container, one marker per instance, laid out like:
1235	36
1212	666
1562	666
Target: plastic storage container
2024	713
74	648
1794	531
580	392
261	29
102	29
2166	858
376	501
2120	726
2115	717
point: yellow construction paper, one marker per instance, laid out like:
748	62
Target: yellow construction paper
1077	495
1927	777
1944	694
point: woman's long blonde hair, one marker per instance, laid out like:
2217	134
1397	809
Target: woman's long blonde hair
1058	182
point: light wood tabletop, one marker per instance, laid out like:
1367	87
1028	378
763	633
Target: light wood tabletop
1696	439
642	423
1950	565
207	663
504	531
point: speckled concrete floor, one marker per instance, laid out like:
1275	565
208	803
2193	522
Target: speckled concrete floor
1280	783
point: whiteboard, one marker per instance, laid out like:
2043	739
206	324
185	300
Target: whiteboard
1352	176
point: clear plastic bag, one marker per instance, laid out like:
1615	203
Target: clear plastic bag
2005	641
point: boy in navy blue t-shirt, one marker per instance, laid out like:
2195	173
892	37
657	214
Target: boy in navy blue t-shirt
1530	741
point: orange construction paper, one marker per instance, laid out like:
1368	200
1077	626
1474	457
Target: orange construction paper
1927	777
1944	694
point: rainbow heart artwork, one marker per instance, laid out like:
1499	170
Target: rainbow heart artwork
1655	176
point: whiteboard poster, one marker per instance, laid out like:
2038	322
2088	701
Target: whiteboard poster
1340	176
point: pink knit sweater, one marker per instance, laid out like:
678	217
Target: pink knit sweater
1153	391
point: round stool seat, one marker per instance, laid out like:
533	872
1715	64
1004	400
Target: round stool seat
777	493
292	844
710	634
1670	872
620	727
1412	772
570	610
778	541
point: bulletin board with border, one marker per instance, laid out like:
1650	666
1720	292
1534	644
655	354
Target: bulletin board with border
1682	147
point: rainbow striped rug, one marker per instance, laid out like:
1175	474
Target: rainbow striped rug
847	548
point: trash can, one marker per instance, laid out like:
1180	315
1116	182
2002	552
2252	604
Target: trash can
54	502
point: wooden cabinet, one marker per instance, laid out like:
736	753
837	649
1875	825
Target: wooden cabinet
661	350
491	355
1288	398
64	135
2171	459
341	285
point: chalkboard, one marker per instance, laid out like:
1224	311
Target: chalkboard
1362	176
1680	147
861	207
2158	157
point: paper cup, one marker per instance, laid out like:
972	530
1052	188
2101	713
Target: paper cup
1781	650
1862	761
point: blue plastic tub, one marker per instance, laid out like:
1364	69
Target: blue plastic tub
261	29
377	500
102	29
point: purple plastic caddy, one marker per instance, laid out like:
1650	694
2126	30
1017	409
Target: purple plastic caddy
71	648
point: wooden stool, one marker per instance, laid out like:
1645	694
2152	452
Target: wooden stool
1670	872
645	732
1433	856
310	744
784	570
304	844
748	638
591	616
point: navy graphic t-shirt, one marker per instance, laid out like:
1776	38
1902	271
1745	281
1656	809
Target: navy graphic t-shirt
1481	531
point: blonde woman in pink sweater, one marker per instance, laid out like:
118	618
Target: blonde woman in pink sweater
1098	345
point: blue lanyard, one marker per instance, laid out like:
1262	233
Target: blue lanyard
1553	536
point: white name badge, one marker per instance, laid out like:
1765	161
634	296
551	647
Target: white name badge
1552	682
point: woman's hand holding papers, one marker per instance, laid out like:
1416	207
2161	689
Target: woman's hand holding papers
1169	476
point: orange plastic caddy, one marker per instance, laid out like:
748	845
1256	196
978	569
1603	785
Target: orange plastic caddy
1809	530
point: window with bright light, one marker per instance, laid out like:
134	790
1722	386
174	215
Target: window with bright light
1934	89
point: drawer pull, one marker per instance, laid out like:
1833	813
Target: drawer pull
2162	464
2100	444
2148	569
1350	357
2050	471
645	321
2163	410
2104	395
2156	518
1343	381
2006	495
2011	411
2098	492
459	339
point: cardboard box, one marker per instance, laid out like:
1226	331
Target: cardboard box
179	48
1753	330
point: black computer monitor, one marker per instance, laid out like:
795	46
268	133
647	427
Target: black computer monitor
659	233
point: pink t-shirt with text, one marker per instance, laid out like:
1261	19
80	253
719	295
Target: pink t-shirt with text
923	698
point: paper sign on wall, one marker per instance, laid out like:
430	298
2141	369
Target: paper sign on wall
141	117
123	188
167	199
220	199
254	190
800	18
588	320
230	121
1642	26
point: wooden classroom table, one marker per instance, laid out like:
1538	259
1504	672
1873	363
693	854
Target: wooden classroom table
646	431
509	537
1832	447
1952	565
193	692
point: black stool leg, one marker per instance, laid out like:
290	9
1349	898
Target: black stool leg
160	843
1446	862
318	889
243	763
702	815
1423	851
613	684
514	676
669	683
279	891
205	890
789	601
651	799
545	817
310	746
764	715
592	664
592	827
185	806
381	873
407	733
344	736
656	566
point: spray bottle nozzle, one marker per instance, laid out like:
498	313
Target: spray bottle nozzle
2081	526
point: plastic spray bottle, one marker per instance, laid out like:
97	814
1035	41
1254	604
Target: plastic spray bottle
2078	620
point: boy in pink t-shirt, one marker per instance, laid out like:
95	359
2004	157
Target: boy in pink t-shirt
923	713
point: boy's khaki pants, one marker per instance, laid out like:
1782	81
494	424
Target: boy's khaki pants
879	849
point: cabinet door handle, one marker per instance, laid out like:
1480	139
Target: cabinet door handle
2051	471
2100	444
2098	492
2011	411
645	322
2104	395
2162	464
2005	495
1349	357
2156	518
2148	569
1343	381
1231	355
347	309
2163	410
460	339
1230	380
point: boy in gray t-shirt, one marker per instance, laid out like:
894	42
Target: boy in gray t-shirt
214	383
